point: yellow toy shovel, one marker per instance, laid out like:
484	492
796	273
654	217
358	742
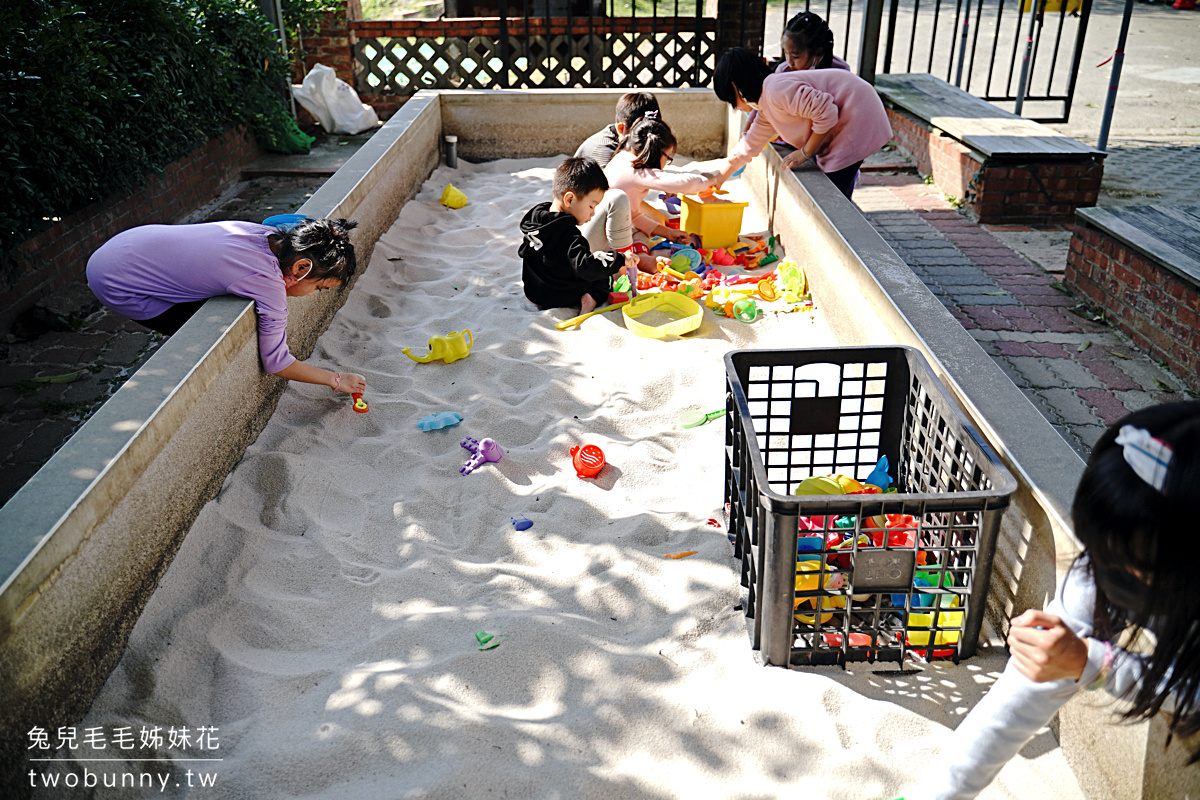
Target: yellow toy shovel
574	322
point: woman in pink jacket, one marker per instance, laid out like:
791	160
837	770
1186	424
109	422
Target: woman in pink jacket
829	115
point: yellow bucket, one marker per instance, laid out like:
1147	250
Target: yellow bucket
718	222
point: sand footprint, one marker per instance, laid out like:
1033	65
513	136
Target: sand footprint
360	574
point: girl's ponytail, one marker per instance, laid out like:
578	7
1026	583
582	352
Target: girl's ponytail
649	140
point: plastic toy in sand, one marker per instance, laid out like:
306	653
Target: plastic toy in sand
521	523
448	348
655	316
588	460
442	419
745	310
574	322
694	419
686	259
452	197
360	405
483	451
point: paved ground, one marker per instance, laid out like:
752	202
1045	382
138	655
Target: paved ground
1079	373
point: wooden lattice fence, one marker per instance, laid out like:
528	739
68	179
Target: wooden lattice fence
401	57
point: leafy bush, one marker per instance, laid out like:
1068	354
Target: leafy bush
98	93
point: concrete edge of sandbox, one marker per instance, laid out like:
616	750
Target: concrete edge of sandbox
84	543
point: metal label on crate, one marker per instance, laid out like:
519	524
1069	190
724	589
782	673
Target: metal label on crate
883	571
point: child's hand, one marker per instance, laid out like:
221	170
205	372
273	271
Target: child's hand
349	383
794	159
631	259
1044	649
678	237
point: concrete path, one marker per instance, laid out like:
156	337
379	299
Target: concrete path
1002	283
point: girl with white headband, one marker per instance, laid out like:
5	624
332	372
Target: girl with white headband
1135	513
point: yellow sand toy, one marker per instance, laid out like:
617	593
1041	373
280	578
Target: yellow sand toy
807	582
449	348
452	197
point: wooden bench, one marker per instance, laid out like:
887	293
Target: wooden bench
1141	264
1003	168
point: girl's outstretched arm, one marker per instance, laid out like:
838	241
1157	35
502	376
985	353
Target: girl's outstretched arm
346	382
1015	708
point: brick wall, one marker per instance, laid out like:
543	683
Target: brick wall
58	255
994	190
331	42
1152	305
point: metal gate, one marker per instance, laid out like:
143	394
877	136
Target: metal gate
978	45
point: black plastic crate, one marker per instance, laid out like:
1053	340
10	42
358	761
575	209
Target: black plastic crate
843	589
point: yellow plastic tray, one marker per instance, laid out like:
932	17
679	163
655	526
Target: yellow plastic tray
680	314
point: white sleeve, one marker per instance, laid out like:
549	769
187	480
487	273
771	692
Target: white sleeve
1015	708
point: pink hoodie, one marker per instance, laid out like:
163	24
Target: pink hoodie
834	101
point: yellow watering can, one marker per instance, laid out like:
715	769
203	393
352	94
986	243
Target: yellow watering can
450	347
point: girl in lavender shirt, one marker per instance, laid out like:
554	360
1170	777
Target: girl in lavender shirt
160	275
830	115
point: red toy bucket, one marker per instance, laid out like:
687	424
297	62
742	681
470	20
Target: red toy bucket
588	460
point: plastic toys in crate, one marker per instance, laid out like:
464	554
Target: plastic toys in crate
837	577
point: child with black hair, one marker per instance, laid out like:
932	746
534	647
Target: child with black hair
559	268
639	167
602	145
807	43
160	275
829	115
1134	513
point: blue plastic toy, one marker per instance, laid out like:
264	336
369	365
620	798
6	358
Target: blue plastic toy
879	476
672	202
521	523
442	419
285	222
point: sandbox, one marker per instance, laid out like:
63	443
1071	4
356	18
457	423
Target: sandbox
90	555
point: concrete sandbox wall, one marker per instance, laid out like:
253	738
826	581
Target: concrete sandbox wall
83	546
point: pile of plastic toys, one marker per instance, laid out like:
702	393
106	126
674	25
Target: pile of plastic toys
695	272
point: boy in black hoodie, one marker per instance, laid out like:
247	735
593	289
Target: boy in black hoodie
559	269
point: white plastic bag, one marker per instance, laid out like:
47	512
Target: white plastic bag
334	102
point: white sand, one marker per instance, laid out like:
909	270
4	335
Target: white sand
322	611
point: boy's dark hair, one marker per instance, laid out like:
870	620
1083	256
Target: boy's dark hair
808	33
743	69
579	175
633	106
649	140
325	242
1125	524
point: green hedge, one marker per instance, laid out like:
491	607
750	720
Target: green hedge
99	93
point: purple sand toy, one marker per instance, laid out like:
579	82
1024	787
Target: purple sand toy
521	523
485	450
442	419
